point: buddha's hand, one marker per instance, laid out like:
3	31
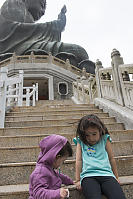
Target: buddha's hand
62	18
64	10
62	13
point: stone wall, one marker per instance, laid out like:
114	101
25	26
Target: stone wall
57	96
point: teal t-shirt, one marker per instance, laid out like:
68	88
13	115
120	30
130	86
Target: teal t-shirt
95	160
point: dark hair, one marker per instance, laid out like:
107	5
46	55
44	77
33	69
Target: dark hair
90	121
66	150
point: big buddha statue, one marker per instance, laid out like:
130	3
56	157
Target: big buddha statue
20	34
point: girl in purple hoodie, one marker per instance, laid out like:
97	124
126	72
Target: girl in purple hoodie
45	181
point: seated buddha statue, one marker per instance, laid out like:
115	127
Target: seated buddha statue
20	33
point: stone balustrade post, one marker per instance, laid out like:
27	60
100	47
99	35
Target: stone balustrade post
90	89
116	61
36	91
9	99
98	65
3	79
20	93
27	97
83	78
68	65
50	58
78	81
32	57
84	72
13	59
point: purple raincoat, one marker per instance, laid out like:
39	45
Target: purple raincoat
45	182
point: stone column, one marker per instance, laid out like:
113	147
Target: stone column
116	61
98	65
51	89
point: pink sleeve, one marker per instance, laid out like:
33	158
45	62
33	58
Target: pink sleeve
65	179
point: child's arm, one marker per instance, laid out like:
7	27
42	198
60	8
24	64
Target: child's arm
40	189
78	164
111	158
66	179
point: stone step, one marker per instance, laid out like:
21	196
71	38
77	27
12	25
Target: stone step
51	116
54	106
30	154
124	166
51	102
49	109
27	140
118	135
51	122
21	191
18	173
53	129
55	112
33	140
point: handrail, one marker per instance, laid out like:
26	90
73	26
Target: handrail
11	93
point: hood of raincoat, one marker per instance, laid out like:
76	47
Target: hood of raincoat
50	146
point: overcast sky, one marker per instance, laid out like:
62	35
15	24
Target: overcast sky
97	25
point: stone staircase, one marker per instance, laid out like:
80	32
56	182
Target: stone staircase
26	126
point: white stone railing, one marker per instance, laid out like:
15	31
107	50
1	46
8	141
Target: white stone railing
84	89
31	95
115	83
126	74
40	59
11	93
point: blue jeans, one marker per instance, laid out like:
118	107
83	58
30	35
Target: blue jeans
94	187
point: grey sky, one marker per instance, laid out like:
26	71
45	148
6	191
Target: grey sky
97	25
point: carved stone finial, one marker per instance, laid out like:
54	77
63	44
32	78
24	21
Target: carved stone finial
98	62
50	54
50	58
91	78
115	52
83	78
68	65
78	77
32	53
32	57
13	58
84	72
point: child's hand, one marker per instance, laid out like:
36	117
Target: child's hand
118	180
78	186
63	192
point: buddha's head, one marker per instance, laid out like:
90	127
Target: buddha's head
36	8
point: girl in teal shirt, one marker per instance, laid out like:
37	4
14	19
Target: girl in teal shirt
96	170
